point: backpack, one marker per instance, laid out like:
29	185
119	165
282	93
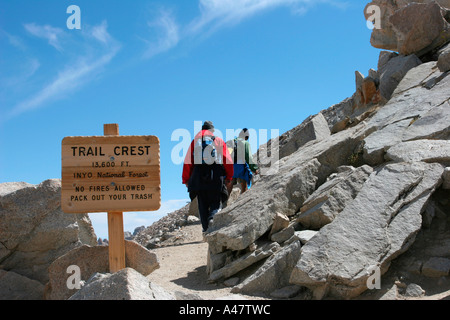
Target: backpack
208	171
235	151
205	151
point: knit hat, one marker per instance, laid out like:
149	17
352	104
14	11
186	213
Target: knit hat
208	125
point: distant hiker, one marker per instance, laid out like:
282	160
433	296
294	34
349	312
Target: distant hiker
207	172
244	165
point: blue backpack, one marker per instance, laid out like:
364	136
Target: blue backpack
205	152
208	171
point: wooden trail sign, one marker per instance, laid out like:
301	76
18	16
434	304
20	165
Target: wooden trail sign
113	174
110	173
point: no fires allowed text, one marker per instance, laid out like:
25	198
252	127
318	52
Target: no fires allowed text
110	173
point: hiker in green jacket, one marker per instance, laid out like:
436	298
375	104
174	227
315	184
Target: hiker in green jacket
244	165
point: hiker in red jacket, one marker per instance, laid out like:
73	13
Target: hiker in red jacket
207	172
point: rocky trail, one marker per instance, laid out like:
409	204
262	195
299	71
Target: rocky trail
183	267
182	252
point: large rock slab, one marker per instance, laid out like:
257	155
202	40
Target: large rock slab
126	284
13	286
337	114
409	26
384	37
244	261
417	77
420	150
34	231
420	28
332	197
292	180
314	128
433	124
240	224
92	260
417	111
273	274
377	226
333	152
393	71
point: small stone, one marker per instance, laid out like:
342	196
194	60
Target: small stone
414	290
444	59
286	292
192	219
231	282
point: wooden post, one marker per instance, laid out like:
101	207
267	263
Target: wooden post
115	223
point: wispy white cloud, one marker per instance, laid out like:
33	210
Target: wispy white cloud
13	40
25	71
76	73
302	7
216	14
49	33
166	32
66	82
100	33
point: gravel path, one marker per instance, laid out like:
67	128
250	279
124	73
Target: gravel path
183	268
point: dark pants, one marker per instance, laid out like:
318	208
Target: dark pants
208	206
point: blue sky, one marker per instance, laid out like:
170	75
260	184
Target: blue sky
157	66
